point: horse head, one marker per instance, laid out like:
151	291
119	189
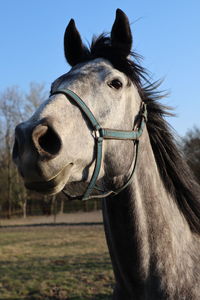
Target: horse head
56	148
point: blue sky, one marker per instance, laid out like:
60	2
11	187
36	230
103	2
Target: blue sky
165	33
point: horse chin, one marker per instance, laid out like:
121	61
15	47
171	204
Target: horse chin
53	185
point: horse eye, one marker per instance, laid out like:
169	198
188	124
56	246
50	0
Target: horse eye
116	83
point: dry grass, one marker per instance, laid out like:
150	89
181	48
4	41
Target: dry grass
55	262
77	217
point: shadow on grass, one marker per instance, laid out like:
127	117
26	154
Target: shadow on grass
94	297
52	224
40	265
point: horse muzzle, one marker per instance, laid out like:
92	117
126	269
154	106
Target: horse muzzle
36	153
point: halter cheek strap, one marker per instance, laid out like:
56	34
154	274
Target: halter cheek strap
101	134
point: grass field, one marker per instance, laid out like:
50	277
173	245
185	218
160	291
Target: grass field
55	262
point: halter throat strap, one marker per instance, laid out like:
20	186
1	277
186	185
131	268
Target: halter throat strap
101	134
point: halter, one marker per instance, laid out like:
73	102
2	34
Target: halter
101	134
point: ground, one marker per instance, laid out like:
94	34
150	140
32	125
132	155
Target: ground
64	261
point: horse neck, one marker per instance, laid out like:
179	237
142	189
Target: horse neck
145	230
162	219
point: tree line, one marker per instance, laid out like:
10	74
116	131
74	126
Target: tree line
17	106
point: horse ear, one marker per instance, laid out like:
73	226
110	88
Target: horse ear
75	51
121	32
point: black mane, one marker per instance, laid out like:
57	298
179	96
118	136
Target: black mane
175	173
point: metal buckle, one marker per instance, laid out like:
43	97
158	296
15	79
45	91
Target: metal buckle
97	134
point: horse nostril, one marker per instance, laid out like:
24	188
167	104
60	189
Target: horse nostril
50	142
46	140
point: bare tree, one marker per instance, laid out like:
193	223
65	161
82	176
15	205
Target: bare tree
15	107
36	95
191	149
10	115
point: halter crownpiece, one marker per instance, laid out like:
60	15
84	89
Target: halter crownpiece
101	134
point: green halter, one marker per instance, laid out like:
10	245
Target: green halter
103	133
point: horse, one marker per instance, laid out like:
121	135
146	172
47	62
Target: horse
102	133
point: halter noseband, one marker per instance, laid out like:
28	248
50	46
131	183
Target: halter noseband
103	133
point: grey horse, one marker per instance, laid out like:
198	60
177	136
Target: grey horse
152	209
